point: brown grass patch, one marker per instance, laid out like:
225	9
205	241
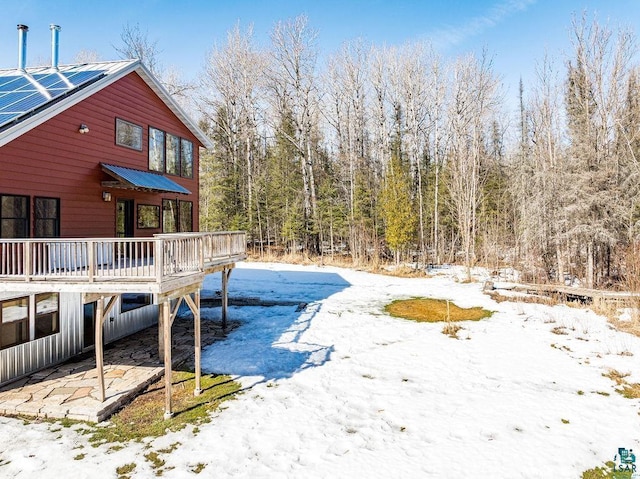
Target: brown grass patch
628	390
434	310
144	416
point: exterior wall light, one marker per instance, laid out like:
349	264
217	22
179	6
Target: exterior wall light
106	196
83	129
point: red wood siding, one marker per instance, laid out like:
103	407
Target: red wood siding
55	160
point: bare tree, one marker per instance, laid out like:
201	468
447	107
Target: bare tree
474	99
136	44
231	86
294	90
346	112
87	56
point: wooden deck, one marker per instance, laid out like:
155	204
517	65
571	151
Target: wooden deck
117	265
171	266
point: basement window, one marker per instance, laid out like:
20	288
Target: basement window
14	322
47	320
131	301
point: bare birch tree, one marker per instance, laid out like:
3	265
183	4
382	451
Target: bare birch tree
474	99
294	89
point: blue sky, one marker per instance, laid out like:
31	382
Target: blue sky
516	33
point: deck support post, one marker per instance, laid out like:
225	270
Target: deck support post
166	333
102	312
226	272
194	305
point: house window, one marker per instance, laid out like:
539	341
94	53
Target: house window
14	322
156	150
186	216
14	216
131	301
148	216
169	216
186	158
177	216
47	217
47	318
173	155
170	154
128	134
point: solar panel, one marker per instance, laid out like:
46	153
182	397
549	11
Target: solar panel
5	117
22	94
32	101
51	80
12	83
9	100
78	78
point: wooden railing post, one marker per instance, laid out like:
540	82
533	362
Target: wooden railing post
158	255
91	258
27	261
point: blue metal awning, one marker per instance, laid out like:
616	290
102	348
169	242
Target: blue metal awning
141	180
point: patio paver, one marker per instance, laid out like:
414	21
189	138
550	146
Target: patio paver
71	389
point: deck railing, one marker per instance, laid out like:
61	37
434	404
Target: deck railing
108	259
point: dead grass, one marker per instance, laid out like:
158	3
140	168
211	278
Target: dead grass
626	389
434	310
144	416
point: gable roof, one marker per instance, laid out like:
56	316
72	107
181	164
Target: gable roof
30	97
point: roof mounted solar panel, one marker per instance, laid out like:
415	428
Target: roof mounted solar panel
12	83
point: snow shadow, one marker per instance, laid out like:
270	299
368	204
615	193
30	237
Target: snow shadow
271	342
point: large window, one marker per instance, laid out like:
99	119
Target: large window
173	155
177	216
156	150
47	318
14	216
169	216
14	322
185	214
47	217
128	134
186	158
170	154
148	216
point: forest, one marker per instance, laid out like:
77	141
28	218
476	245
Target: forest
379	155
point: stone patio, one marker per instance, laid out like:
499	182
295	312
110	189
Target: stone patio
71	390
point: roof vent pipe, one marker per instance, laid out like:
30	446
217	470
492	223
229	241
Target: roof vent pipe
22	46
55	34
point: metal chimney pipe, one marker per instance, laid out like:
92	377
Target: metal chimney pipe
55	35
22	46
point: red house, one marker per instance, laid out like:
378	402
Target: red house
93	157
61	130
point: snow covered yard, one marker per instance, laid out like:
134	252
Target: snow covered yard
341	389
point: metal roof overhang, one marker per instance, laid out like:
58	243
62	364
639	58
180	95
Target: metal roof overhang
131	179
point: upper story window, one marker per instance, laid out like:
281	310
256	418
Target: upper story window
156	150
186	158
46	218
128	134
14	216
170	154
173	155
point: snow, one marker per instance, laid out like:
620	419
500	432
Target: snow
341	389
